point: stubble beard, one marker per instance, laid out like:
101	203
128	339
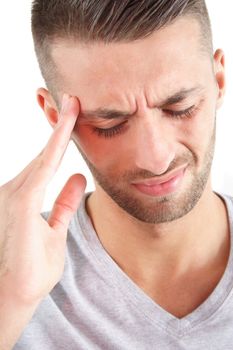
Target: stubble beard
156	210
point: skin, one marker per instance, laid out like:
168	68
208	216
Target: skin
26	237
142	232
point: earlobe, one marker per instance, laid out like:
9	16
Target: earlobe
48	105
219	71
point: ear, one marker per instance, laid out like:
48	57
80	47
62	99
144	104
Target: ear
219	71
47	103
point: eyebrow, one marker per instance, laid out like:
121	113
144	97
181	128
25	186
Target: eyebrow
105	113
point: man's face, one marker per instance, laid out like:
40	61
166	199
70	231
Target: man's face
151	137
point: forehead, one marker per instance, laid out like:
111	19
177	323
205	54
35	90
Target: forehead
112	73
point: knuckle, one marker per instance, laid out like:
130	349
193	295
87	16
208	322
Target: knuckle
45	165
63	206
19	200
41	163
12	199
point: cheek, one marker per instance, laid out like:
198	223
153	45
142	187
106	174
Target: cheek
196	134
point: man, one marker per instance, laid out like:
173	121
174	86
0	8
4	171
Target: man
148	264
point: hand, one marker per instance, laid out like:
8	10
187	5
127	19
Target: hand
32	250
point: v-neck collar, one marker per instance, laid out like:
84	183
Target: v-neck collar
137	297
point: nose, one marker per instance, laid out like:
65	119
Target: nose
154	145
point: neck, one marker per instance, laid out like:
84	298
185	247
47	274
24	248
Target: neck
198	239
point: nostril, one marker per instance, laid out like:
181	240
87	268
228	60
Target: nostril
154	161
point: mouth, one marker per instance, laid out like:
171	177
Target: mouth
161	186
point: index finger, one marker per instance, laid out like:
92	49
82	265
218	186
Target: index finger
51	157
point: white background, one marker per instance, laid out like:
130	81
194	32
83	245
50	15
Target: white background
24	130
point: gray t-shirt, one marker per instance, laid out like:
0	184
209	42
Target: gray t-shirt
97	306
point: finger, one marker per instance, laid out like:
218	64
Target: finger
67	203
53	153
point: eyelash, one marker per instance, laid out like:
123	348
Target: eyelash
117	129
111	132
187	113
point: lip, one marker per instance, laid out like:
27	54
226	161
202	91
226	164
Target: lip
163	186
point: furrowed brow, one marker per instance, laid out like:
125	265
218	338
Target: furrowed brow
105	113
180	96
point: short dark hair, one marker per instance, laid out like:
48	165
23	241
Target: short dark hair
107	21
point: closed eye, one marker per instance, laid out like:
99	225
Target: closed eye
110	132
120	128
186	113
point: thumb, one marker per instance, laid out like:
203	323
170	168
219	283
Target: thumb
67	203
